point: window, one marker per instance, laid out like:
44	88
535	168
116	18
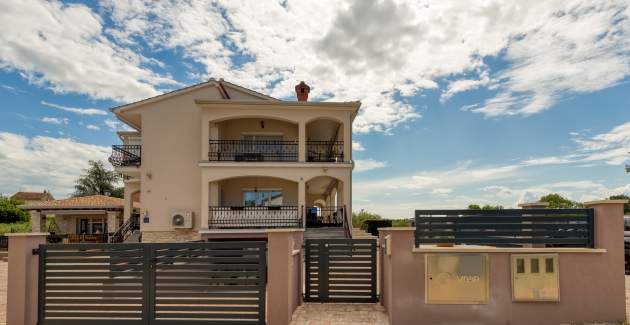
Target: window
534	265
549	265
520	265
262	198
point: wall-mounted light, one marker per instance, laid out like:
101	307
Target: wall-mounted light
262	124
149	175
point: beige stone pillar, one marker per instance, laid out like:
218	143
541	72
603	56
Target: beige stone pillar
131	187
36	221
112	221
284	280
205	137
23	278
302	141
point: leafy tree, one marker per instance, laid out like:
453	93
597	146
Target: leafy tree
557	201
118	192
9	211
485	207
626	207
97	180
358	218
401	223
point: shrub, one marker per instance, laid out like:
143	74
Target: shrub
10	213
6	228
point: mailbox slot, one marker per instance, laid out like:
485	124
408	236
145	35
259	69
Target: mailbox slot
535	277
456	278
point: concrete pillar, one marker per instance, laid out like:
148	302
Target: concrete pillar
205	137
284	280
302	141
23	278
131	187
205	203
609	234
112	221
36	221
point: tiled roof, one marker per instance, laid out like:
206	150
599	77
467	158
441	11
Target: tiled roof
92	201
32	196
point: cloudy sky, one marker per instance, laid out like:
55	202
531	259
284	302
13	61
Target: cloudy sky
463	101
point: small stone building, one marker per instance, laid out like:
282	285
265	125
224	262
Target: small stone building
94	214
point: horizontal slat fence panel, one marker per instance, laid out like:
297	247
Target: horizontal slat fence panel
171	283
510	227
227	282
91	282
340	270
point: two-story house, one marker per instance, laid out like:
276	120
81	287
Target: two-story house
216	160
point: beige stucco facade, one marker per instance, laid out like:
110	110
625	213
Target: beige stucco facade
176	173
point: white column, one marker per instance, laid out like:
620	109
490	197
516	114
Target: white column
205	137
112	221
36	221
347	141
302	199
302	141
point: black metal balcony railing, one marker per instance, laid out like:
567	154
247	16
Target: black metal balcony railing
324	151
253	150
324	217
126	155
239	217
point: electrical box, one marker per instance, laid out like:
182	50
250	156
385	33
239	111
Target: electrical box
456	278
535	277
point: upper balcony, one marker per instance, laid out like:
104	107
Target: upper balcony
275	140
126	156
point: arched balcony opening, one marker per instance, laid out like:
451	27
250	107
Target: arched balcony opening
253	202
322	209
324	141
253	139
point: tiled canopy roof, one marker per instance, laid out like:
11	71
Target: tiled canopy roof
89	202
32	196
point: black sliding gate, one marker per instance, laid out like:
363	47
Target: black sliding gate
340	270
140	284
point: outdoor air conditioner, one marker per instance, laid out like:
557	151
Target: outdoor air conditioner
181	219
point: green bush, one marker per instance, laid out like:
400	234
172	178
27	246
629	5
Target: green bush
6	228
10	213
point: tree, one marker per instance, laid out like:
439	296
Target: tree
358	218
557	201
9	211
485	207
626	207
97	180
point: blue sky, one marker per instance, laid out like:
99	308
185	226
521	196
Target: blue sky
462	102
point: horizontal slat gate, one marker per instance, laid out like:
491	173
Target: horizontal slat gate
180	283
340	270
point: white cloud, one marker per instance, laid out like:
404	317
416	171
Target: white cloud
115	125
441	191
362	165
62	47
76	110
44	162
551	48
357	146
92	127
55	120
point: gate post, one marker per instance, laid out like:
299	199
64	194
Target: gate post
23	278
284	280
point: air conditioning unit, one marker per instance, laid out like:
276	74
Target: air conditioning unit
181	219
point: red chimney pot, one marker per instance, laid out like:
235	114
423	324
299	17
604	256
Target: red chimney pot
302	90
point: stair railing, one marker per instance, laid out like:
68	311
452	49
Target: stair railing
125	230
346	227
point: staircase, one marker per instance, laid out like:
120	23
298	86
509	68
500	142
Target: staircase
324	233
128	232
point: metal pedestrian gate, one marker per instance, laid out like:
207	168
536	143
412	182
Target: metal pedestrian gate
340	270
140	284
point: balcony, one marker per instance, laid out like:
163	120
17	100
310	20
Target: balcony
125	156
263	217
324	151
253	150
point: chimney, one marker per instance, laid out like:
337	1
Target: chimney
302	90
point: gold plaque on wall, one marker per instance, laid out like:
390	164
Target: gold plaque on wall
535	277
456	278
